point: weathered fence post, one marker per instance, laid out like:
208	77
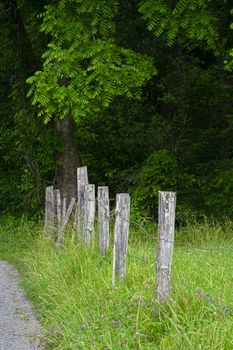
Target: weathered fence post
103	218
49	210
121	236
75	223
82	180
89	214
167	206
63	210
57	209
65	217
82	177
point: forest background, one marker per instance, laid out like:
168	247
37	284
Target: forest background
140	92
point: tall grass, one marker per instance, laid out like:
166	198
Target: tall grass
79	309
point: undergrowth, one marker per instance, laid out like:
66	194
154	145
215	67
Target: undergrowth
79	309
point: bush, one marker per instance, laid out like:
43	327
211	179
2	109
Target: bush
218	193
158	173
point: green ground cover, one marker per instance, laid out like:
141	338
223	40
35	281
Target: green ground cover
72	293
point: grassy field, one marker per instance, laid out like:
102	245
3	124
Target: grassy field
72	293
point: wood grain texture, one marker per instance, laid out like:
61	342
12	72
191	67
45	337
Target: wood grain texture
57	215
49	210
65	218
166	227
82	177
63	210
82	180
121	232
89	214
57	206
103	218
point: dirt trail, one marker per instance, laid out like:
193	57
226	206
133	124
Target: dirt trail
19	330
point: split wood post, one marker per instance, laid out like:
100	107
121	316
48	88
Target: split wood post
75	223
121	233
49	210
62	228
89	214
63	210
103	218
166	227
82	180
65	218
57	206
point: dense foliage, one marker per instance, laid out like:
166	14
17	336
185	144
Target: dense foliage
83	68
148	85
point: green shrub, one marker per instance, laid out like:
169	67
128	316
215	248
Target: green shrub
218	193
158	173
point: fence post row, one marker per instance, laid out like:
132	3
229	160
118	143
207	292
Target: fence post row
89	214
82	180
57	216
103	218
121	236
167	205
49	210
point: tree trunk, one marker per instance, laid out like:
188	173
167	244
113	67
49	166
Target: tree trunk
29	63
68	159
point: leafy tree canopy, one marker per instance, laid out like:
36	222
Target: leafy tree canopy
84	69
178	20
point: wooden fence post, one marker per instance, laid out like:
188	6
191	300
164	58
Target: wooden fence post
49	210
121	236
82	180
75	222
103	218
65	217
82	177
57	209
167	206
89	214
63	210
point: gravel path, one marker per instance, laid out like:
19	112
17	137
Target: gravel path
19	329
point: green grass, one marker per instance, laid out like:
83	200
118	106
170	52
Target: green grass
79	309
